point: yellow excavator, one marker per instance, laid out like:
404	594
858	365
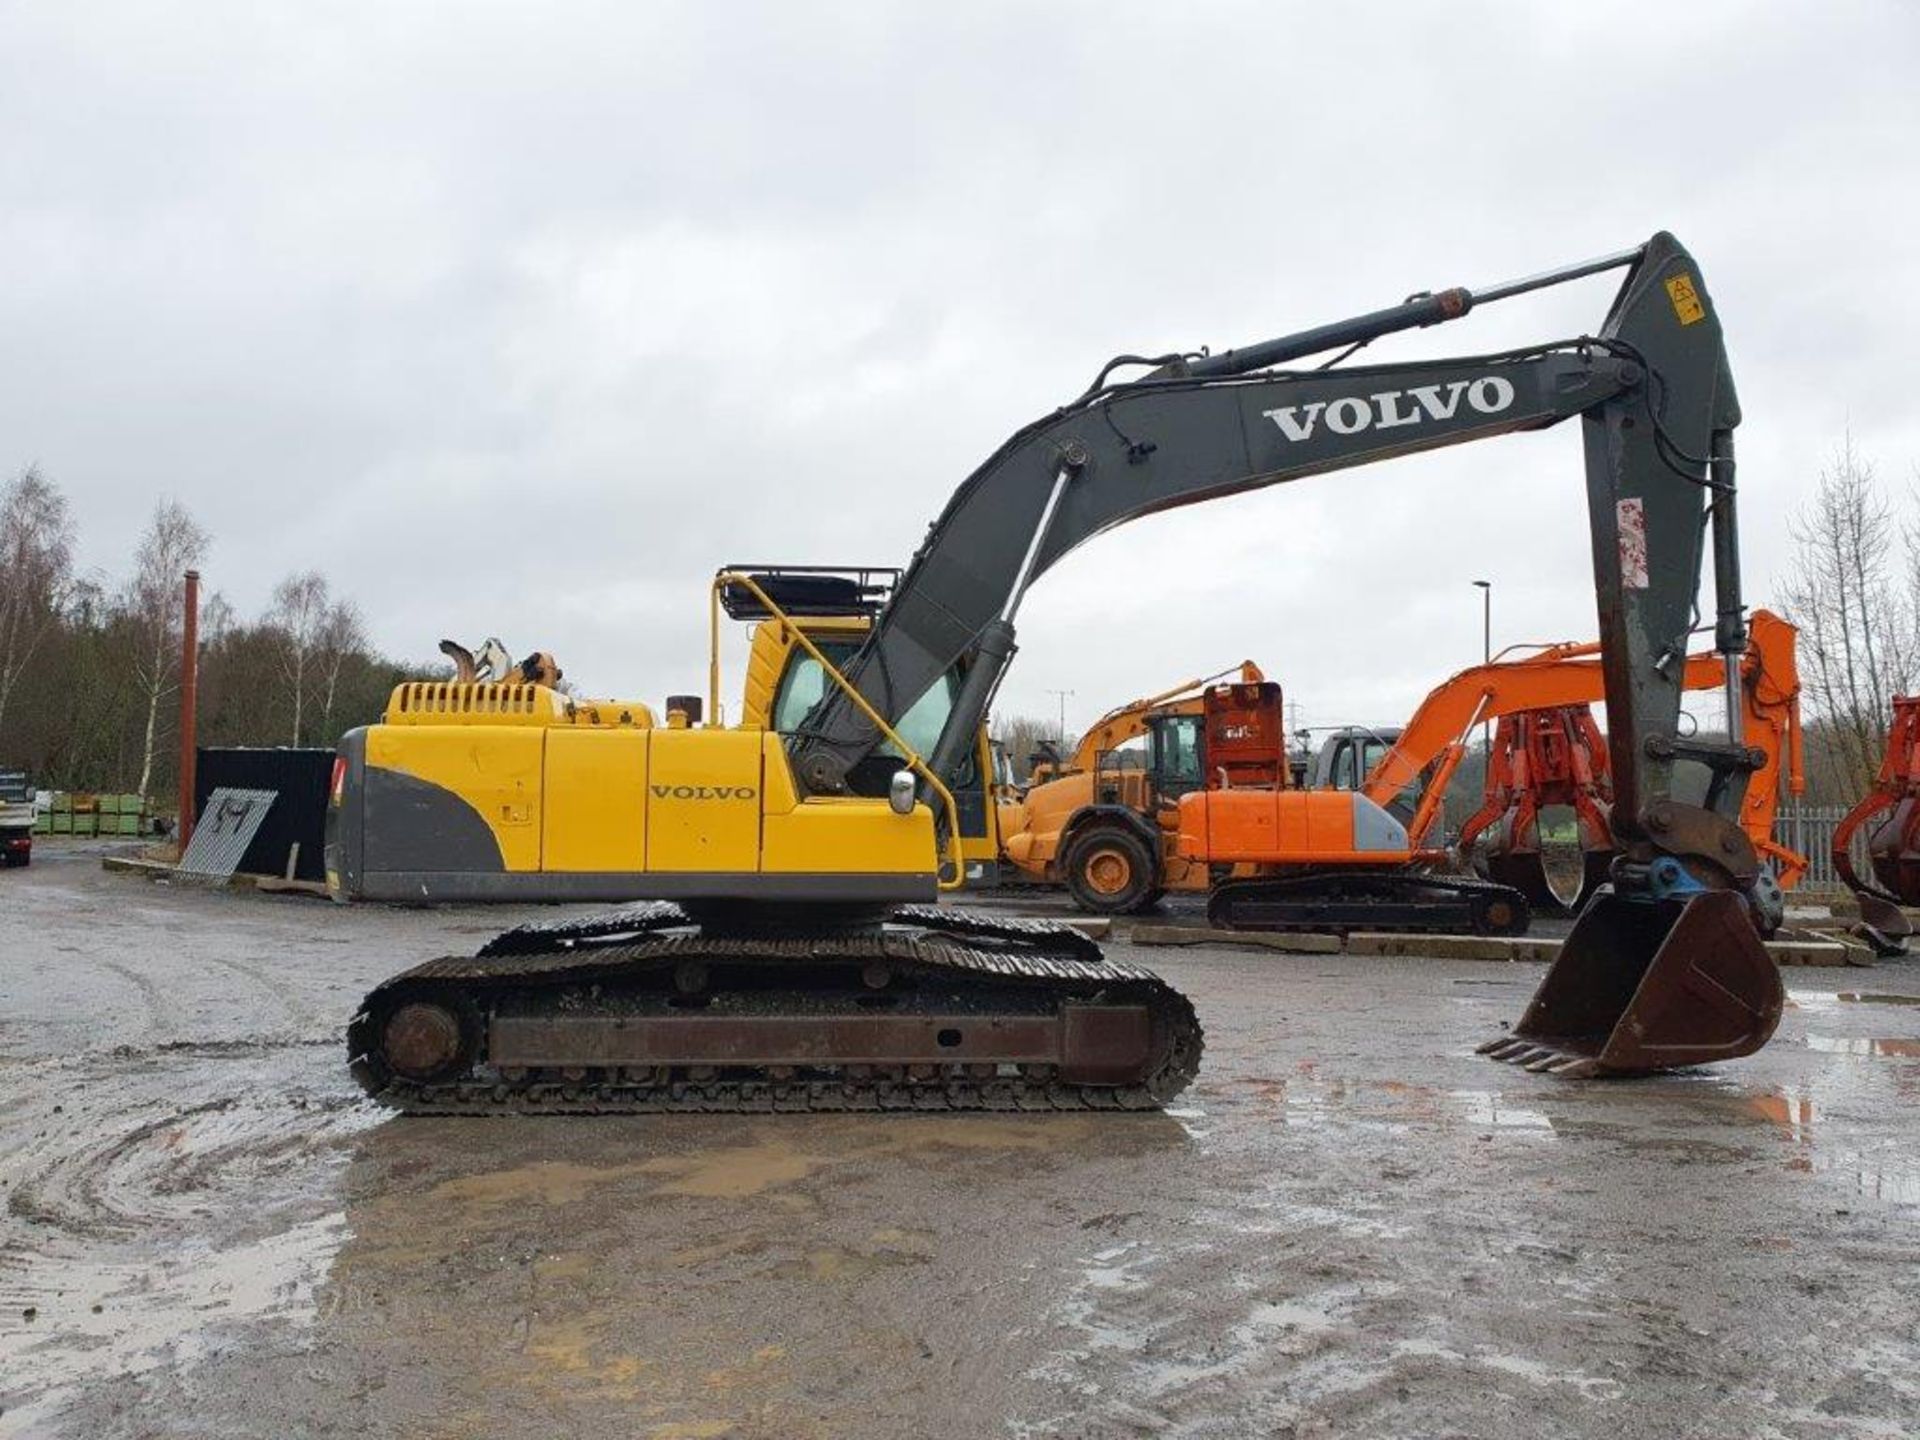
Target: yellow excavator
789	959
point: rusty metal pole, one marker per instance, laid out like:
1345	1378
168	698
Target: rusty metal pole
189	703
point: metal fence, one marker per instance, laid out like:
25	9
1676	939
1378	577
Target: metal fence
1809	830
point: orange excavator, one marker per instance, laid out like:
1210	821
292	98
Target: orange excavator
1328	860
1556	755
1103	821
1893	844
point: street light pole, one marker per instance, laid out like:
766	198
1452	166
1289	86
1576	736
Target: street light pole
1486	654
1063	694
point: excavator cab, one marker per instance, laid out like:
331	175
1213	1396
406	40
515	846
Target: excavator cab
1347	757
834	607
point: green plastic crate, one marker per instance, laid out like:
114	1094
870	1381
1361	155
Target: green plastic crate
43	823
62	803
129	824
62	823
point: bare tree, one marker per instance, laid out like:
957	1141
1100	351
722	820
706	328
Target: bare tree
1023	736
173	544
299	614
36	569
216	618
343	635
1858	644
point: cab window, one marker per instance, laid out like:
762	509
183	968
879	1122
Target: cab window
1176	759
1344	777
805	682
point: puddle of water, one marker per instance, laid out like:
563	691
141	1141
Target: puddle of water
1871	1175
1487	1107
1856	1045
1288	1315
1789	1110
733	1173
1532	1371
101	1318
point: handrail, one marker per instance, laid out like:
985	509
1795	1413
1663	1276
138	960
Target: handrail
909	757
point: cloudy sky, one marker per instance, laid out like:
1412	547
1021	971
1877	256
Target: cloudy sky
521	319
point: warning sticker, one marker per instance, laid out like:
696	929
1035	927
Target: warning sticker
1686	299
1631	516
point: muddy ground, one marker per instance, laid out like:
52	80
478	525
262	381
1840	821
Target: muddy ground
1352	1226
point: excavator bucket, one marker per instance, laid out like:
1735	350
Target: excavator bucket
1645	986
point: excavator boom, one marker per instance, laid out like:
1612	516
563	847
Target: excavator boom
1667	969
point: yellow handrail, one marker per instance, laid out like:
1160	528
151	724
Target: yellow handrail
909	758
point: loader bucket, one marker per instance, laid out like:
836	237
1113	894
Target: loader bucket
1645	986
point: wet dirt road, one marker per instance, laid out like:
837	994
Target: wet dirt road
1351	1227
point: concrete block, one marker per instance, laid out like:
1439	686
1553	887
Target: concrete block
1454	947
1094	927
1818	952
1199	935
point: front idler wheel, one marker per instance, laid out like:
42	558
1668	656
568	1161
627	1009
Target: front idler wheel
429	1037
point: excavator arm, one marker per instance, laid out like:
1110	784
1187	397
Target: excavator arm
1657	405
1665	969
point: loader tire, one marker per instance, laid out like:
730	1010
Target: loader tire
1110	871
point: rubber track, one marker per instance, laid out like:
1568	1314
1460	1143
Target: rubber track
538	935
999	952
1458	884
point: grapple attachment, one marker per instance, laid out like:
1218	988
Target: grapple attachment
1526	871
1650	985
1883	924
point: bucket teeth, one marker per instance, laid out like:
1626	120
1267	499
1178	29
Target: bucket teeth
1505	1048
1541	1059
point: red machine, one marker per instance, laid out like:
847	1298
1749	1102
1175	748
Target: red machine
1894	844
1540	758
1556	755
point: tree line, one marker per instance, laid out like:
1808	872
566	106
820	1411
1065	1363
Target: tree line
90	665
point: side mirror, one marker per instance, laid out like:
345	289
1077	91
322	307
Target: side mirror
902	792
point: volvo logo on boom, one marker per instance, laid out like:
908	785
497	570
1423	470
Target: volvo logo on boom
1390	409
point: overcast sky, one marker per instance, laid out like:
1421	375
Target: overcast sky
520	320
